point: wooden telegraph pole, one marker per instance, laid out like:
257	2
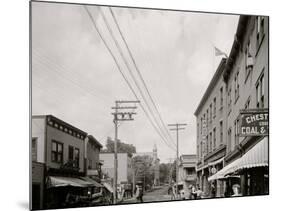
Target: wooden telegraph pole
122	115
177	127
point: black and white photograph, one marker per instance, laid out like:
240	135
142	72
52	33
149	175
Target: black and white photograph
135	105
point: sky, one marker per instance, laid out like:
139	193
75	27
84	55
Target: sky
75	78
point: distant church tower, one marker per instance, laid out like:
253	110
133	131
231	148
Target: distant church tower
156	166
154	153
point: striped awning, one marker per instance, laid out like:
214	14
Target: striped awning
93	182
221	173
255	157
216	162
56	181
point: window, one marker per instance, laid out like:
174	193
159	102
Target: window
221	97
34	149
260	92
236	127
229	138
57	152
90	164
260	31
197	130
70	153
207	144
211	109
247	104
221	132
76	157
236	86
248	60
215	102
215	139
229	98
207	118
201	125
211	144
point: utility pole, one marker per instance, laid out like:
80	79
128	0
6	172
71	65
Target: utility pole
120	116
177	127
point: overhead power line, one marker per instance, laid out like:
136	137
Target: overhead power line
138	71
119	68
133	77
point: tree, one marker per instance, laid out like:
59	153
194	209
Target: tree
121	147
143	169
164	173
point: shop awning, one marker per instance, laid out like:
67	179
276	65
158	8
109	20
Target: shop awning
201	168
255	157
221	173
93	182
216	162
108	187
55	181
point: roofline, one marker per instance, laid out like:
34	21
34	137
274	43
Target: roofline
91	137
62	122
211	85
239	35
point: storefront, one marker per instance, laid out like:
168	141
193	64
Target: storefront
63	192
251	169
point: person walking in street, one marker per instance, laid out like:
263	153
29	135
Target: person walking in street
199	193
213	190
193	192
139	193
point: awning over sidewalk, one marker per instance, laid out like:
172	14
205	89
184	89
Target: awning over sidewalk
108	187
216	162
221	173
55	181
93	182
255	157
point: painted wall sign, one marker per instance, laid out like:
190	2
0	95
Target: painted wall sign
254	122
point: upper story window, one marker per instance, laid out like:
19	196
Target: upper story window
236	127
197	130
211	144
90	164
249	61
201	125
215	108
207	144
34	149
207	117
260	92
76	157
201	149
247	104
236	86
57	152
260	31
221	97
221	132
229	134
229	98
211	109
215	138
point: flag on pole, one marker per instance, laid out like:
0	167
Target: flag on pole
218	52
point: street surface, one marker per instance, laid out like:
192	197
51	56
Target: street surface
158	194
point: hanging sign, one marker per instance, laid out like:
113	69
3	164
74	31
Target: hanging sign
254	122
